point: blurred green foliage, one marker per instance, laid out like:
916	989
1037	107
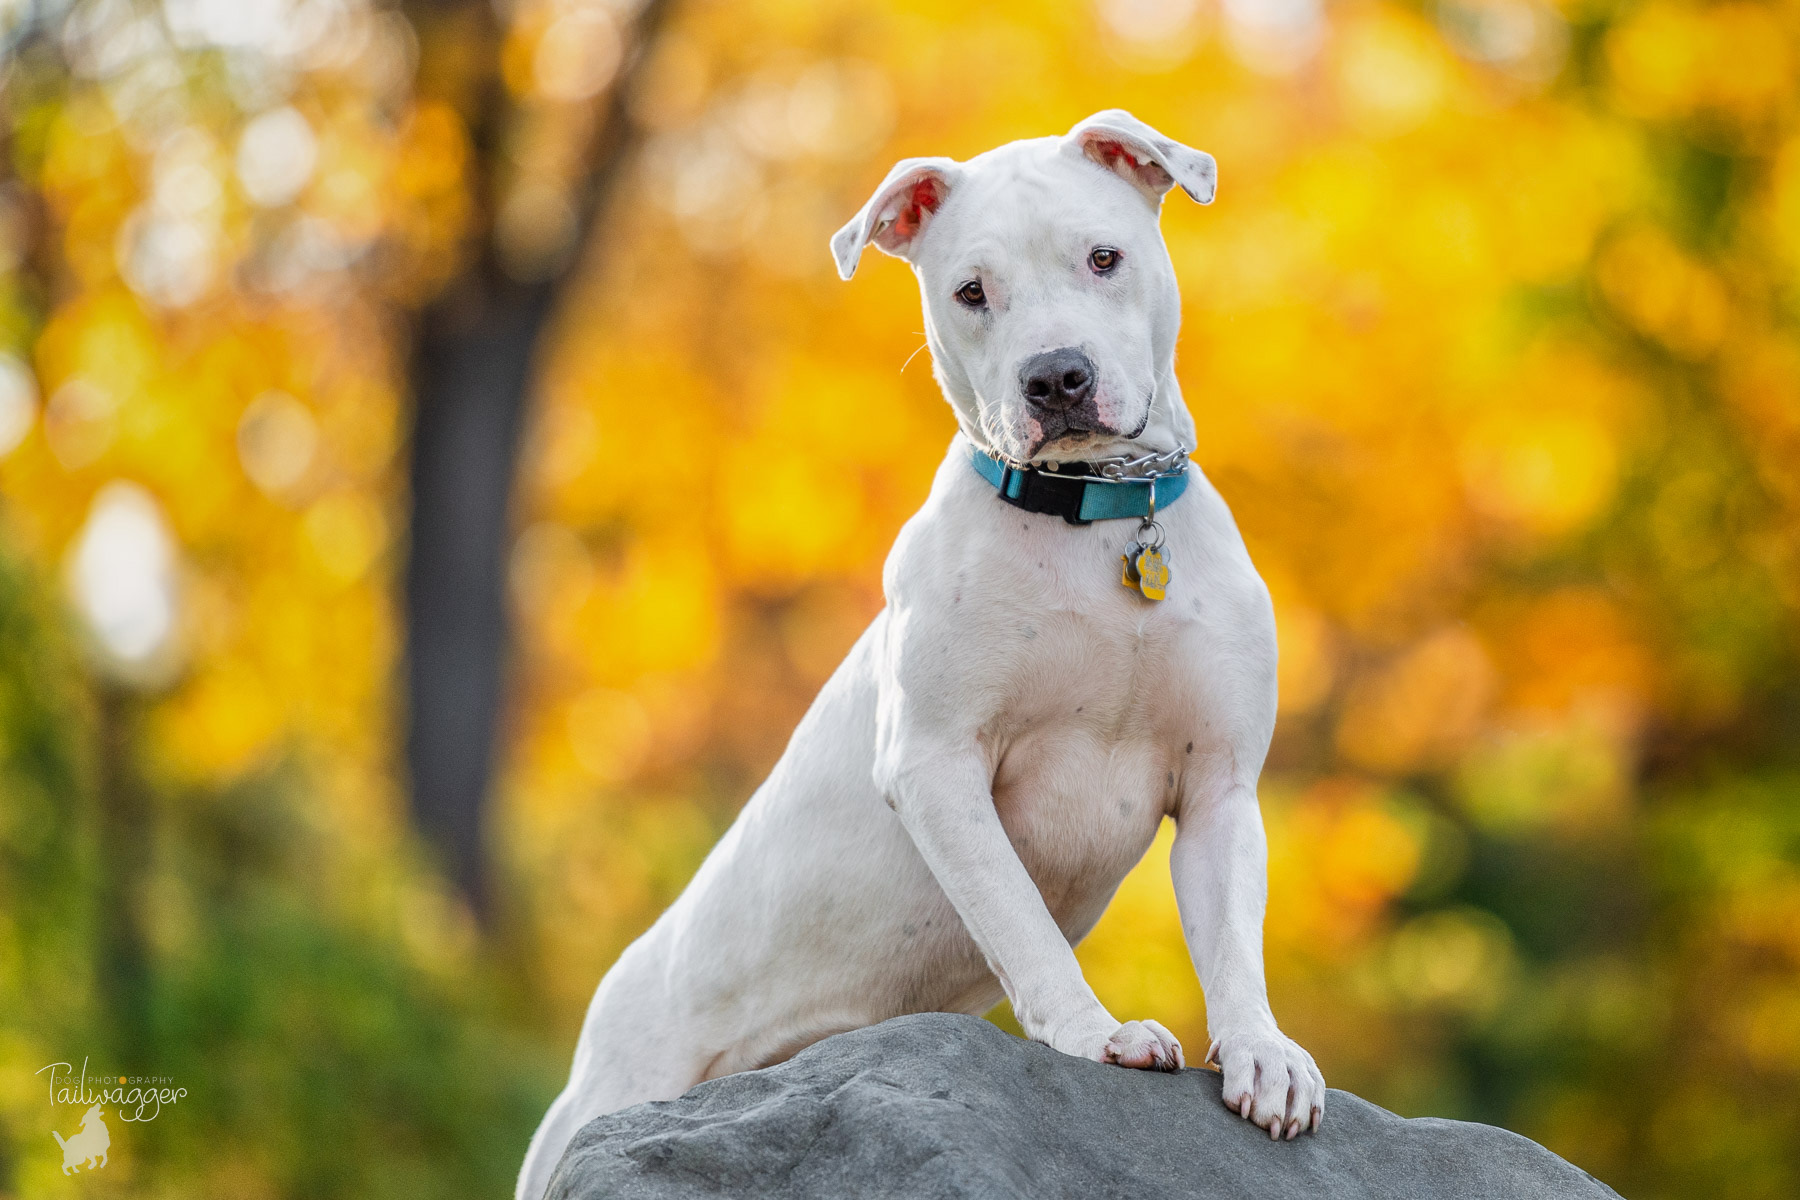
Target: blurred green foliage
322	1058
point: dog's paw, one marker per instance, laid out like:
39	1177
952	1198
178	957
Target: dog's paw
1271	1081
1098	1037
1145	1045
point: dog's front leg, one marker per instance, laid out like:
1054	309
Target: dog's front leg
941	787
1220	867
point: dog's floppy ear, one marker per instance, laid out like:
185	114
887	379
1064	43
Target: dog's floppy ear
897	213
1143	157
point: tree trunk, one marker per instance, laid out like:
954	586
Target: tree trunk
472	372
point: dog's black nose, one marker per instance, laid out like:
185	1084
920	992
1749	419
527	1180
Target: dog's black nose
1057	379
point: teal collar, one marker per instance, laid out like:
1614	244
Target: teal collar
1080	492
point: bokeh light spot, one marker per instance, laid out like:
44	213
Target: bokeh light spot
122	571
18	402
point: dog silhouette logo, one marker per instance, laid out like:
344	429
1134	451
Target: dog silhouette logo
82	1149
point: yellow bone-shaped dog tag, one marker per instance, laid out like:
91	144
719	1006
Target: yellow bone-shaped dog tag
1153	574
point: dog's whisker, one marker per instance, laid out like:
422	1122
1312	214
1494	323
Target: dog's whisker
912	356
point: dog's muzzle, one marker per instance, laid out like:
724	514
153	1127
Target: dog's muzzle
1058	387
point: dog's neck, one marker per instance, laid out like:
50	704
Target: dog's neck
1170	427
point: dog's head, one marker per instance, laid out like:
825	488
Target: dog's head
1050	303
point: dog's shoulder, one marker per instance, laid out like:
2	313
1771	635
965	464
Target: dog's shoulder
942	544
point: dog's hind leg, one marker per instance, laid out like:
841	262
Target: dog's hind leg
594	1089
568	1113
627	1055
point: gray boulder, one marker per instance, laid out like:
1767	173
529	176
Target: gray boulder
939	1106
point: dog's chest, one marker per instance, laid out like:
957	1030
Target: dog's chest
1094	696
1087	752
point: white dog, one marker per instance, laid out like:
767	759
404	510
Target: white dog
957	808
87	1148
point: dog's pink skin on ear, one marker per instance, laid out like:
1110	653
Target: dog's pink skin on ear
1144	158
1110	152
896	214
927	195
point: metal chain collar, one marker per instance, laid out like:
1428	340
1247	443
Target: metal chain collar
1120	468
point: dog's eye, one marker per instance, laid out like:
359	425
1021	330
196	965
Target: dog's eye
1103	259
971	294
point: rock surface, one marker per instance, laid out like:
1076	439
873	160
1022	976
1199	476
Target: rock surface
939	1106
